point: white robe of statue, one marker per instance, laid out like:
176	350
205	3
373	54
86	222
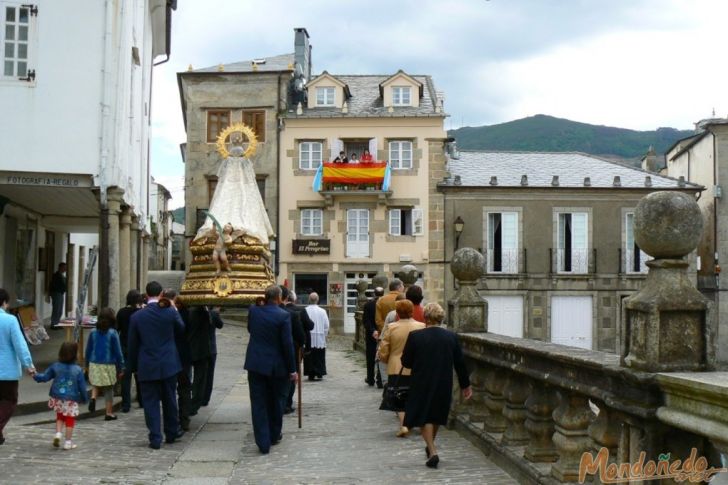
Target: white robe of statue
237	201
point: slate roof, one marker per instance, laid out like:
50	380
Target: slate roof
365	100
275	63
476	168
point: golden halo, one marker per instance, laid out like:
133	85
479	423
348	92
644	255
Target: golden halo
237	128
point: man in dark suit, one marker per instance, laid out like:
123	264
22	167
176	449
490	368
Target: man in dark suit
301	326
371	338
154	357
271	366
57	289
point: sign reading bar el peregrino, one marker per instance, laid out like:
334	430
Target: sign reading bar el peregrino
45	179
311	246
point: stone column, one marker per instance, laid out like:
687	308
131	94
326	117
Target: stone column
668	321
571	436
114	201
605	432
124	252
144	266
468	310
539	424
515	392
495	381
134	251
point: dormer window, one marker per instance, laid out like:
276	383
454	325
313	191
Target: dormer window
401	95
325	96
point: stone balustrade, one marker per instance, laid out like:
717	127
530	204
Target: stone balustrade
548	413
537	407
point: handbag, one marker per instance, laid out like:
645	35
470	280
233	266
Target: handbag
395	396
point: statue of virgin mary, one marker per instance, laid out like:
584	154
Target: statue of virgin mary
237	201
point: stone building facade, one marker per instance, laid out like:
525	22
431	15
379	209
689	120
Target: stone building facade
556	232
701	159
360	230
254	92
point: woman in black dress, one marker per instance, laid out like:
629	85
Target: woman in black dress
432	353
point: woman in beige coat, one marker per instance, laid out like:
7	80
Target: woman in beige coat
390	351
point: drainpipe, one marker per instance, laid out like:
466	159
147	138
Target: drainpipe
715	223
278	174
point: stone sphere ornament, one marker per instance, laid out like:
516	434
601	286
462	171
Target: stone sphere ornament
668	225
467	264
408	274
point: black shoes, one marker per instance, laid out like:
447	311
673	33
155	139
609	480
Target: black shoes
92	405
433	461
155	446
180	433
110	417
2	440
278	440
370	382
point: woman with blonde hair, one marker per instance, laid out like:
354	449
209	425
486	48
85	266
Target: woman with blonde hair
431	354
390	351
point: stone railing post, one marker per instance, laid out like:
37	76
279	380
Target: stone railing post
571	436
468	310
668	326
380	281
477	409
540	407
495	381
515	393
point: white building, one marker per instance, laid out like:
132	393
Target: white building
75	88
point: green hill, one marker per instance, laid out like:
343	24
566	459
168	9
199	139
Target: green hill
548	134
179	215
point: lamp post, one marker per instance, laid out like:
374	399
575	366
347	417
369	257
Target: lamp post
459	226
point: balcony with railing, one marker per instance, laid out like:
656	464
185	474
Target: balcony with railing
505	262
572	261
353	179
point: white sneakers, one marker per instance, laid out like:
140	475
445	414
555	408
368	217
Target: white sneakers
57	440
68	445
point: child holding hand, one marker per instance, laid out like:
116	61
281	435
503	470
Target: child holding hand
67	390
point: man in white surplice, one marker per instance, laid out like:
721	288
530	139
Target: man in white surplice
314	363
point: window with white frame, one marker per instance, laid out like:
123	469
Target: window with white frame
309	155
312	222
572	252
406	222
400	154
325	96
634	257
401	95
17	21
502	242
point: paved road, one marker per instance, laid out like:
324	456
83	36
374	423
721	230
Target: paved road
345	439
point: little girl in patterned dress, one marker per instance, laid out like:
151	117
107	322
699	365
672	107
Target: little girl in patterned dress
67	390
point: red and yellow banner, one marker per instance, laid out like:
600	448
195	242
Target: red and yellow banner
354	173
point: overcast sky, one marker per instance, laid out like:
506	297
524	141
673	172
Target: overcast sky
638	64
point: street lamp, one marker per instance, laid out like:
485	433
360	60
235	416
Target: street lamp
459	226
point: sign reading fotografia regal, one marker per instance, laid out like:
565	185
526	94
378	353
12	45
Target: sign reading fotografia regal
311	246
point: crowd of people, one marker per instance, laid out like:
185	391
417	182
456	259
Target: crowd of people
170	350
407	350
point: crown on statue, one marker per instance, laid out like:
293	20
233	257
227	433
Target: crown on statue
243	129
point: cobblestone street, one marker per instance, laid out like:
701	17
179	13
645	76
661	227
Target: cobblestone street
344	439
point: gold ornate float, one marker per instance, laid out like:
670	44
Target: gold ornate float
230	253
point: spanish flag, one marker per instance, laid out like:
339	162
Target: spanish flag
354	173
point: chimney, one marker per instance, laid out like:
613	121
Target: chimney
302	52
649	161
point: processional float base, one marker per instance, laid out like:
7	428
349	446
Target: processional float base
248	276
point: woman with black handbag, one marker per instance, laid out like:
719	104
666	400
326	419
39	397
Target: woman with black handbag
390	351
431	354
